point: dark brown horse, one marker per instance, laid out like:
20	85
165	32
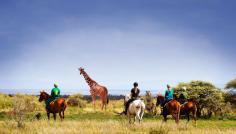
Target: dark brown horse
188	108
56	106
170	108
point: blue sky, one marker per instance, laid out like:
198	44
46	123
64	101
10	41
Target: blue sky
152	42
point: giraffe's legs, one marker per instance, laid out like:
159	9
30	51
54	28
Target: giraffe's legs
93	99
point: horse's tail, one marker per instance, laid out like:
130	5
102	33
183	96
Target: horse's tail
107	96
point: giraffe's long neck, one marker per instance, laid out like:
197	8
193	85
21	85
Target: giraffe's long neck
88	79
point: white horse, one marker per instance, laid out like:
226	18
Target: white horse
136	108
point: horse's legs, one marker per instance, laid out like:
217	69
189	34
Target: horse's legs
138	116
63	113
60	114
195	116
103	104
54	116
129	118
48	114
141	115
187	114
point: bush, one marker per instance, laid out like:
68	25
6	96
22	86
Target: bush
6	101
76	100
22	104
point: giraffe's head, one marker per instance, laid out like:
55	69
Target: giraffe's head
81	70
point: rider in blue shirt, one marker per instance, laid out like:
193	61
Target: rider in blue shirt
168	95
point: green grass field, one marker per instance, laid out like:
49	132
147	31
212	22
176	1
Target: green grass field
86	120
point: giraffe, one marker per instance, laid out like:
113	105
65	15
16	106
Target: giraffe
96	89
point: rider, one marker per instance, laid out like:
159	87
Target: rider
183	96
55	93
168	95
134	95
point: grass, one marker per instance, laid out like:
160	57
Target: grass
115	126
86	120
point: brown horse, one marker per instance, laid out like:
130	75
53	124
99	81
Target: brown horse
170	108
189	107
56	106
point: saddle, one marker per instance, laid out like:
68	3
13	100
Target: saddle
50	101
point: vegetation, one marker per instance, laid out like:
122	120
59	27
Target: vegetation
231	84
210	100
230	96
19	114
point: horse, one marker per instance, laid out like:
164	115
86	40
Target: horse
170	108
150	106
189	107
56	106
136	108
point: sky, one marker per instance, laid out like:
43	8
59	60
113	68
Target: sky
118	42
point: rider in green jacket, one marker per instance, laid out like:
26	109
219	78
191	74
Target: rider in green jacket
183	97
55	93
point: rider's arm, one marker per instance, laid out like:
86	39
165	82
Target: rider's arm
52	93
59	92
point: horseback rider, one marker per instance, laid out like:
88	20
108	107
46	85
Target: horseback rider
55	93
169	95
183	97
134	95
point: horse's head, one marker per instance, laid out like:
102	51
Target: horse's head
160	99
81	70
148	93
43	96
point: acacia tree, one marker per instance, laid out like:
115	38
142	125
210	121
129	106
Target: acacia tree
205	94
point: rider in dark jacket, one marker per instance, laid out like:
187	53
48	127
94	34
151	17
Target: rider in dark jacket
134	95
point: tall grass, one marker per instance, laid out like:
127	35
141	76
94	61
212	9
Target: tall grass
110	127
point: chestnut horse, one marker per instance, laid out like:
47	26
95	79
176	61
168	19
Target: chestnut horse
56	106
170	108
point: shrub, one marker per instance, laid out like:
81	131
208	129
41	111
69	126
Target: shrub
76	100
22	104
6	101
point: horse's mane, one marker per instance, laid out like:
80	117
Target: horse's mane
43	92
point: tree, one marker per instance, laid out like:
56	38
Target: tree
230	96
205	94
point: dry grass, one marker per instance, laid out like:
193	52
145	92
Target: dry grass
108	127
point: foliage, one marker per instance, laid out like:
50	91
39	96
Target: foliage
6	101
231	84
231	98
205	94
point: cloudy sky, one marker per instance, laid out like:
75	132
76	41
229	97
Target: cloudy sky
153	42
